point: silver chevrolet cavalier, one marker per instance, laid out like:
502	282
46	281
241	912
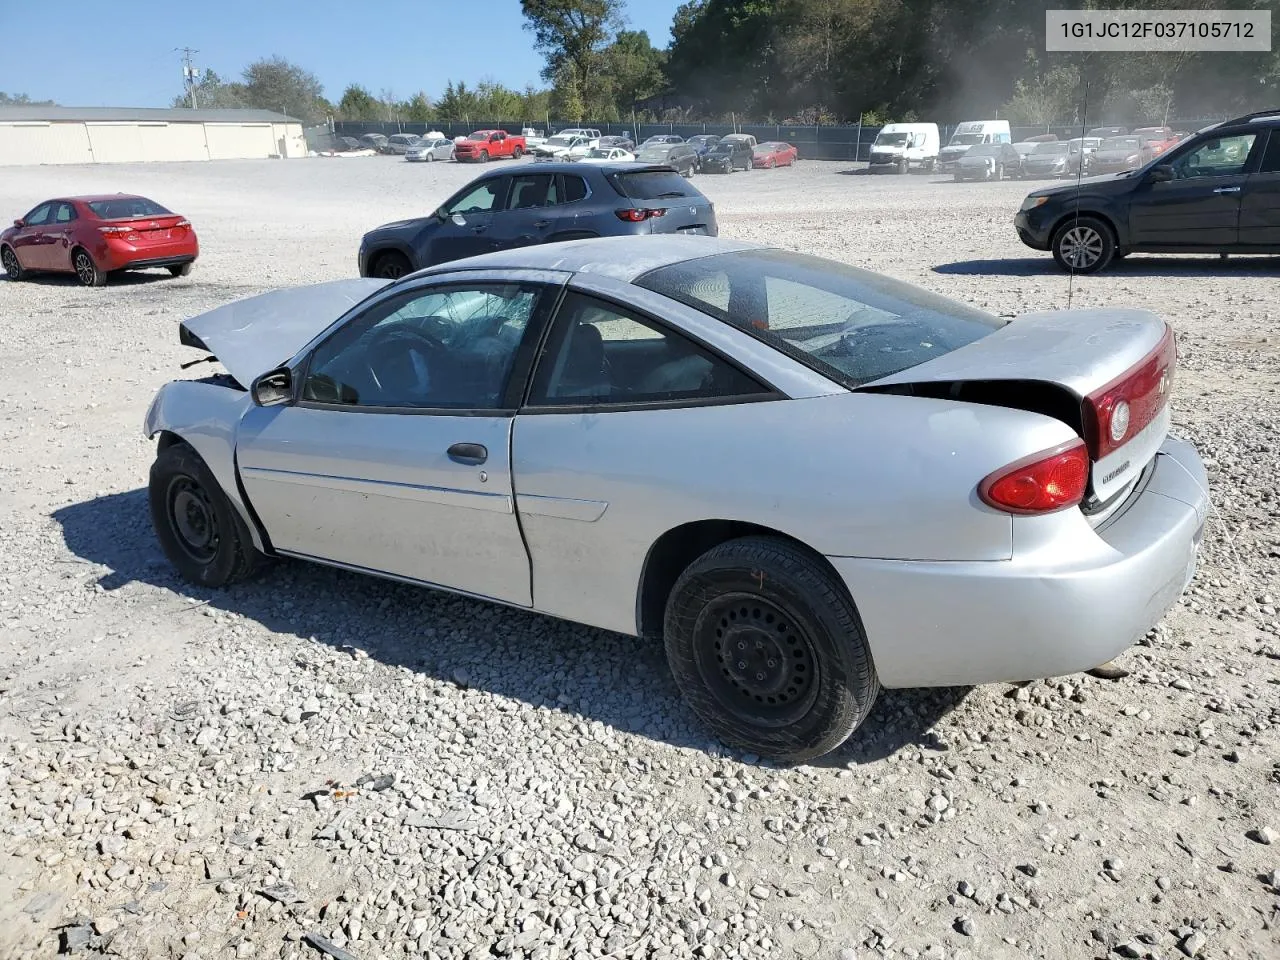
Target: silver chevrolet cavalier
808	480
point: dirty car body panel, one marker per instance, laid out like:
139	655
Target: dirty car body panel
881	476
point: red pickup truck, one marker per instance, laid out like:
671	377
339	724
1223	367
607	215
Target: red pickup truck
485	145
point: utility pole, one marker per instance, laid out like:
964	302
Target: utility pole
190	73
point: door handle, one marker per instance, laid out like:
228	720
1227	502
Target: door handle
542	223
471	454
480	229
1226	190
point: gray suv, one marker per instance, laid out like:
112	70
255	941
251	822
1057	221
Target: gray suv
544	204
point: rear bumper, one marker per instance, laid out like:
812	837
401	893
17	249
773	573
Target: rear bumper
121	255
1056	612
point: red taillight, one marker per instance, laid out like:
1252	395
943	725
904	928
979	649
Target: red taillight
1041	483
115	229
183	223
1116	413
640	214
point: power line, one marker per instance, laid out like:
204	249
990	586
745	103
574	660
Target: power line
190	73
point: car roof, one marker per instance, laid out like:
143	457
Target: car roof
98	198
571	166
621	258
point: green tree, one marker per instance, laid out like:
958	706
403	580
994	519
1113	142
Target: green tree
21	99
417	108
1045	98
213	93
277	84
635	67
457	103
573	35
357	103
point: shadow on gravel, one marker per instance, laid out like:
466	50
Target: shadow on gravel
131	278
580	671
1134	266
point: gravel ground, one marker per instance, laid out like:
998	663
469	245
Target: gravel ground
320	763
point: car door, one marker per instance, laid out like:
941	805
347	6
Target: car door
61	237
393	456
530	212
30	241
616	395
1200	206
1260	199
464	228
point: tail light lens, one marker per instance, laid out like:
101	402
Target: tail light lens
183	223
640	214
1041	483
1119	411
115	229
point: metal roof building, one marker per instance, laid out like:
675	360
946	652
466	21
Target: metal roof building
35	134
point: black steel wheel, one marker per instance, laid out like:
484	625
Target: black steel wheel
1084	245
198	528
766	646
9	260
87	271
391	265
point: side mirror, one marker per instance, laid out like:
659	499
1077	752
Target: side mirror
19	222
1160	174
441	215
273	388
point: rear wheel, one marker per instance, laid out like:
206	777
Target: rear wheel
391	265
767	648
999	173
517	153
87	271
182	270
9	260
902	165
1084	245
198	528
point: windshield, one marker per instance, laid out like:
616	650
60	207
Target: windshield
126	208
1119	144
965	139
598	154
561	141
850	324
891	139
653	185
985	150
721	148
1050	149
478	136
654	154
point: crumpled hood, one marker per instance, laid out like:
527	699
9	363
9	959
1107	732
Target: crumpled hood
257	334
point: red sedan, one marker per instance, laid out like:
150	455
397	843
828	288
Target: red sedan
769	155
94	237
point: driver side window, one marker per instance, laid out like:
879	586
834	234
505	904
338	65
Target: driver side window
449	348
1218	157
39	216
481	199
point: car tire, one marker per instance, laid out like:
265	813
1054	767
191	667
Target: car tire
903	166
199	530
12	268
182	270
390	265
1084	245
484	156
806	680
517	153
87	272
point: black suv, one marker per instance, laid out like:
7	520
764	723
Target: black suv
548	203
1215	192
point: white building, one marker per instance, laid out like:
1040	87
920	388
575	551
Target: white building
32	134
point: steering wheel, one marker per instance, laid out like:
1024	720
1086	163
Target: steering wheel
403	364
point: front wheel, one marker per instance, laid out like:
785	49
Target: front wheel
768	650
391	265
484	156
1084	245
87	272
999	173
9	260
198	528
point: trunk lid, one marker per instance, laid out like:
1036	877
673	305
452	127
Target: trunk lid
252	336
141	231
1076	366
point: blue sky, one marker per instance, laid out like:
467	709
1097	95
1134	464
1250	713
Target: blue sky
123	55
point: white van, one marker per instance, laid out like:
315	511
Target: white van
900	146
970	134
